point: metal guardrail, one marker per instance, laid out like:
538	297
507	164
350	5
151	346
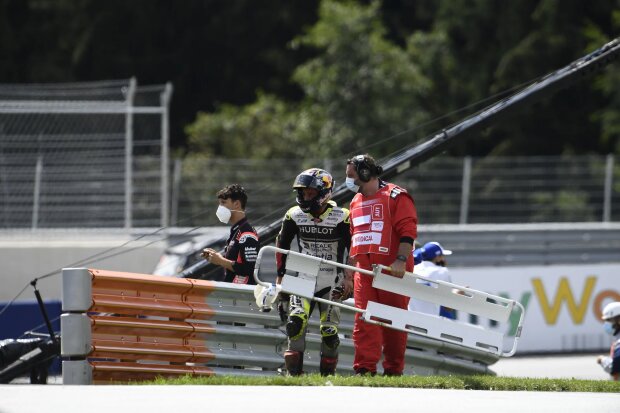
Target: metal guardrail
120	327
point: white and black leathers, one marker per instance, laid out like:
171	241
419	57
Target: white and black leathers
326	236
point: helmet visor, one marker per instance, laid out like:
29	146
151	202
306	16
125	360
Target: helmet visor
305	181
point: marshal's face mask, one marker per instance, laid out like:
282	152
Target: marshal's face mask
350	183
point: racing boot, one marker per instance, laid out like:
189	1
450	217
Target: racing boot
294	362
328	366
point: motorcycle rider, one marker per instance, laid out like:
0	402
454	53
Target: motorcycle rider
322	230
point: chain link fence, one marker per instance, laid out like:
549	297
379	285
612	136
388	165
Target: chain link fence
95	155
84	155
446	190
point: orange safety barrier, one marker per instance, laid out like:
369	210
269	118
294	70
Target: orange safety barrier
125	339
150	294
123	327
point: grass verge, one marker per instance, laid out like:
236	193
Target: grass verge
420	382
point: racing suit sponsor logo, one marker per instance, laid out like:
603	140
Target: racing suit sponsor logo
377	226
250	254
244	237
240	279
366	238
361	220
377	212
316	230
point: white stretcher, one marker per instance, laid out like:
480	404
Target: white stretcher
440	292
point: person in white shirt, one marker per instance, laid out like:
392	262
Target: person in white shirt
432	266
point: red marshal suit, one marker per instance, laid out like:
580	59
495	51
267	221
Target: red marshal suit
378	223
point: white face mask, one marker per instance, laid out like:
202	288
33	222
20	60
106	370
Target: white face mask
223	214
350	183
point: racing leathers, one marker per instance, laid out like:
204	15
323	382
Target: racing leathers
379	223
242	249
326	236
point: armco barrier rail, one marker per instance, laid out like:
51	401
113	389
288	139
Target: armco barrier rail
121	327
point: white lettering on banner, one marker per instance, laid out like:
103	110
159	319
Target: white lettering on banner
364	219
366	238
377	226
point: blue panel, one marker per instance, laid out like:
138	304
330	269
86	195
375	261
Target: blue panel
25	316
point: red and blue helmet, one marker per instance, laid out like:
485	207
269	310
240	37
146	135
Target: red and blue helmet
318	179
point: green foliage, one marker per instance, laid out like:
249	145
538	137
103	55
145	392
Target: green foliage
564	205
423	382
609	85
256	130
356	74
366	86
359	88
478	48
362	87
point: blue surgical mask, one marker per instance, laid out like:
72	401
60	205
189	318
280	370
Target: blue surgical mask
609	328
350	183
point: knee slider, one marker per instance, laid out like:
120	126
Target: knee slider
297	321
329	336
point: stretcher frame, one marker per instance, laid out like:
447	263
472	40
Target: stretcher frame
411	285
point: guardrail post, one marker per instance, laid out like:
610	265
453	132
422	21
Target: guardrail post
76	372
76	290
75	326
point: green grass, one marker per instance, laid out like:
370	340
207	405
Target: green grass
420	382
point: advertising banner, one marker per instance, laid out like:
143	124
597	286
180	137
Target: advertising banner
562	303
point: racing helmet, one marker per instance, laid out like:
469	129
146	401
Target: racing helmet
611	310
318	179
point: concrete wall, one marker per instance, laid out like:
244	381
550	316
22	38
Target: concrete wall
25	256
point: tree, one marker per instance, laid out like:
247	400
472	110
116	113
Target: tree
477	49
214	52
359	88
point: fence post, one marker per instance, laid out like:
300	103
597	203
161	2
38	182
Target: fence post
465	188
609	178
176	192
131	92
165	155
36	196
